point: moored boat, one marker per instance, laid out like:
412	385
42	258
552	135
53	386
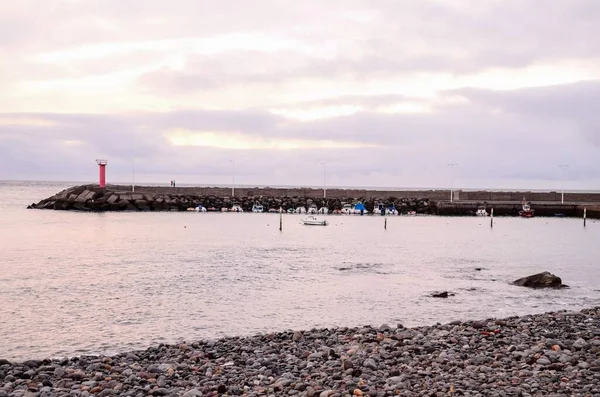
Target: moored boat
526	212
236	208
257	208
314	221
481	211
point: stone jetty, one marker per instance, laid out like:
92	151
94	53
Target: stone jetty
551	354
116	198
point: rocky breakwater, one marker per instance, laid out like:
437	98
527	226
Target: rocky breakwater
94	198
551	354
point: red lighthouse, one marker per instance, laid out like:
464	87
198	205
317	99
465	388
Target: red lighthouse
102	166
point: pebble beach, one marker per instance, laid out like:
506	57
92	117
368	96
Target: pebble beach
550	354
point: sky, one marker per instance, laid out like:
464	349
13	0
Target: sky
366	93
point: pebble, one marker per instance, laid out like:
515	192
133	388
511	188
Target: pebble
543	354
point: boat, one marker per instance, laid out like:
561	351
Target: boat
382	210
412	213
291	211
314	221
312	209
347	209
391	210
300	210
526	211
359	208
323	210
481	211
224	209
379	209
236	208
257	208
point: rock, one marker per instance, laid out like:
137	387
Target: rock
543	361
370	363
444	294
297	336
192	393
580	344
540	280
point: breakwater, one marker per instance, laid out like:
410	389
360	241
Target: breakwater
546	354
119	198
148	198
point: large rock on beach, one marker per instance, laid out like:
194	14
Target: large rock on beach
540	280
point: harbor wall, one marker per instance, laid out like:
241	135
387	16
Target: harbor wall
437	195
148	198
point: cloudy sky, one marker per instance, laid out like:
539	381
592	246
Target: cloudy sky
385	92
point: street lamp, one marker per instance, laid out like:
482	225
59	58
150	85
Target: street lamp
232	178
562	193
133	175
324	179
452	165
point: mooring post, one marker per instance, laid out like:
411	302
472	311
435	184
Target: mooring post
492	218
584	215
280	219
385	223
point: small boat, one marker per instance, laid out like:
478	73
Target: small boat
224	209
323	210
312	209
391	210
481	211
360	209
273	211
526	212
236	208
412	213
291	211
347	209
314	221
300	210
257	208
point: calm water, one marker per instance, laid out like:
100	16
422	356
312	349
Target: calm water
74	283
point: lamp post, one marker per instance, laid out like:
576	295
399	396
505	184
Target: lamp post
562	193
232	178
324	179
133	175
452	165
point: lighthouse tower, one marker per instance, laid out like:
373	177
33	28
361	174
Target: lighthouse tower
102	167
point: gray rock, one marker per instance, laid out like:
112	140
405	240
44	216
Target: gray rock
540	280
370	363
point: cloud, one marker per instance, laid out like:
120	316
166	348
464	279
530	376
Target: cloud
387	92
500	139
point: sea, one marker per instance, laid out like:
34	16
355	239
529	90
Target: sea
76	283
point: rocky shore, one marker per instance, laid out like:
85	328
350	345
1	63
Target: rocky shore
93	198
551	354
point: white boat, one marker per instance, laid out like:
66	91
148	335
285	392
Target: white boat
314	221
257	208
199	208
481	211
291	211
323	211
300	210
347	209
312	209
236	208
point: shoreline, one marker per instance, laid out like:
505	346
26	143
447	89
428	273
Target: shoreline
539	354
